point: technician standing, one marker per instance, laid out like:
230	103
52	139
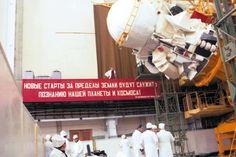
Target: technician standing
150	142
136	141
77	147
59	145
48	145
125	147
68	149
165	139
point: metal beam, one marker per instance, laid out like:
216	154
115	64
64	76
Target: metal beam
228	33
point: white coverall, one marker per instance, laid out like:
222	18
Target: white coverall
125	148
48	148
57	153
68	148
136	141
165	139
150	143
77	149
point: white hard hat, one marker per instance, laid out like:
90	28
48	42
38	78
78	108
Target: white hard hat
47	137
154	127
123	136
57	141
75	136
63	133
161	126
149	125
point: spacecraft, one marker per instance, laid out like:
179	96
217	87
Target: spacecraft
165	37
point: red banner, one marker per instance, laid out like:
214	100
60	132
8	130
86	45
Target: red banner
61	90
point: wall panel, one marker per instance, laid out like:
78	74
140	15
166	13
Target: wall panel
59	35
17	129
7	31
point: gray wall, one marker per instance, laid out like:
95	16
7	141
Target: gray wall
202	141
17	129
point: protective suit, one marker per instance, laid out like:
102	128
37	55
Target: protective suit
136	141
77	147
149	142
48	145
154	128
68	149
165	139
119	154
125	147
57	153
58	143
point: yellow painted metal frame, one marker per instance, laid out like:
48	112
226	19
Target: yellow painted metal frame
232	147
104	4
36	140
129	23
209	75
197	106
225	131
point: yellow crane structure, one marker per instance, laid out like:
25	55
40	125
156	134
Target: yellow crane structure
226	137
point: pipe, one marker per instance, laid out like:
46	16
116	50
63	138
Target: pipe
93	118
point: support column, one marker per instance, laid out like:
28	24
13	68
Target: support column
59	126
18	42
111	127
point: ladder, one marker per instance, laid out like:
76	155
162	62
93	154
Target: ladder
129	24
232	152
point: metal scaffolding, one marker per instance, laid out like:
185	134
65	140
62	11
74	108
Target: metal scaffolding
168	111
225	30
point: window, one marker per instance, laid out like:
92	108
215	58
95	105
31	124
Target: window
84	135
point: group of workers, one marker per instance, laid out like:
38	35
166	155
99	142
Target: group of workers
59	146
148	143
145	143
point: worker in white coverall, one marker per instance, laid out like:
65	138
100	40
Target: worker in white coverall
165	139
68	149
149	142
136	141
77	147
48	145
125	147
155	130
59	145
